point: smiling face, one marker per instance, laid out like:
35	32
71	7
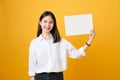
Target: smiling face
47	24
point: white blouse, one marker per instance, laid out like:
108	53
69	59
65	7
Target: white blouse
46	56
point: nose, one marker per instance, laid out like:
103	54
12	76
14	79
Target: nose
48	24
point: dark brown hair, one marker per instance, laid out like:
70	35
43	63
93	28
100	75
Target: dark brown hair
54	31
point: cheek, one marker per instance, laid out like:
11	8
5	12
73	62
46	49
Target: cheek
42	25
52	26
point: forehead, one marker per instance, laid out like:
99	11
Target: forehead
48	18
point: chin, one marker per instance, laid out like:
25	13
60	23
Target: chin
47	31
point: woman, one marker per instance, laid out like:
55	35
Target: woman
48	52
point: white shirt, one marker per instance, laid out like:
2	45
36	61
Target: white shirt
46	56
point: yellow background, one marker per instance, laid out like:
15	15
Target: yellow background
18	26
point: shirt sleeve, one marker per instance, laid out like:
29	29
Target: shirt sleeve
73	52
32	60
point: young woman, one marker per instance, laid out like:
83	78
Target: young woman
48	52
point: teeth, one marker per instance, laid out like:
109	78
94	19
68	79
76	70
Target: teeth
47	28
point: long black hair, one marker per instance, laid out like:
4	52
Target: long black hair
54	31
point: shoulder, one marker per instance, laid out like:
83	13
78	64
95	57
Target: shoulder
64	41
34	41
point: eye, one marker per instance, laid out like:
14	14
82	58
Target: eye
51	22
45	21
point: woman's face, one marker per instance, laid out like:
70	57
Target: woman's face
47	24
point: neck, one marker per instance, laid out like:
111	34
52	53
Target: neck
46	35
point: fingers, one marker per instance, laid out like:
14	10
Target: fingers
92	34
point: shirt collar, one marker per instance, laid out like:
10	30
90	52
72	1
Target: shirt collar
42	38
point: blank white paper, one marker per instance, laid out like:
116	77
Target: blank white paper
78	24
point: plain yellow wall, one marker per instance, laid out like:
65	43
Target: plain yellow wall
18	26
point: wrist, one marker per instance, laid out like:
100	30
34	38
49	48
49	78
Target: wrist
87	44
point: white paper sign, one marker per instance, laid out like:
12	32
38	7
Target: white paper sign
78	24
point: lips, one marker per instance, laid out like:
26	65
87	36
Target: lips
47	28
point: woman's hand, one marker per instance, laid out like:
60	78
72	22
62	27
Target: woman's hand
92	34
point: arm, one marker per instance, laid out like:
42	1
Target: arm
92	35
76	53
32	61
